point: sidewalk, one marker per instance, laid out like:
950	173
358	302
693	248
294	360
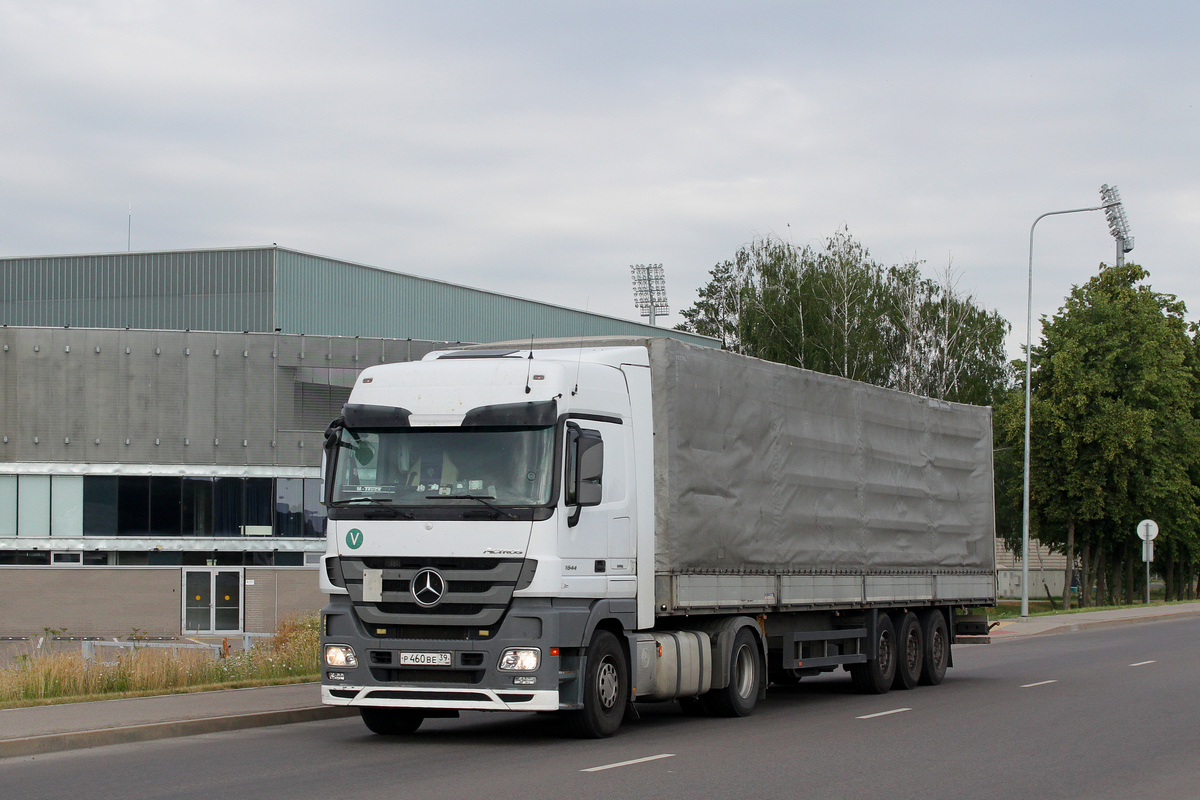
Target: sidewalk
1065	623
70	726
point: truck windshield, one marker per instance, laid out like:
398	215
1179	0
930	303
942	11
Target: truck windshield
431	467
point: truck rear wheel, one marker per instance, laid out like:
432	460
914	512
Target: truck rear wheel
910	653
391	721
745	675
605	690
937	648
876	675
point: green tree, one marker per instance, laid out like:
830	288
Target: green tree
1115	430
836	310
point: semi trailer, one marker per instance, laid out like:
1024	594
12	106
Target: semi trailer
579	527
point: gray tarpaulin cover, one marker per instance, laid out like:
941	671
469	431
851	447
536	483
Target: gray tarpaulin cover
762	467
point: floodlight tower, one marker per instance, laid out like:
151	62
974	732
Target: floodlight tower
1118	223
649	289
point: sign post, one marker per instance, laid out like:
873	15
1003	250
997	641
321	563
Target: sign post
1147	531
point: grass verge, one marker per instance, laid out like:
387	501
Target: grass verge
290	656
1042	608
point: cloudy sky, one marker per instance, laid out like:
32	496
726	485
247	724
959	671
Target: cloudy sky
539	149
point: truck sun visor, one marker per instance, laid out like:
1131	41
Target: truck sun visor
358	415
534	414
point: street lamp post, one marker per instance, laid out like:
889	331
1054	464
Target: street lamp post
1110	203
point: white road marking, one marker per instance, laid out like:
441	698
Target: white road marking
1039	683
627	763
883	713
1143	663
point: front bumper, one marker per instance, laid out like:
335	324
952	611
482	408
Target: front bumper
471	681
422	696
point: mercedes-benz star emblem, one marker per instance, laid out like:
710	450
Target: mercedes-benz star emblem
428	587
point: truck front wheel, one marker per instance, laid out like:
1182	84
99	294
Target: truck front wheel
391	721
745	674
605	690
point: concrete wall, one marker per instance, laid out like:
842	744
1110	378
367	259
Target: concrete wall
277	594
112	602
90	602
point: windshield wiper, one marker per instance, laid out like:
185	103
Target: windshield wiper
480	498
374	501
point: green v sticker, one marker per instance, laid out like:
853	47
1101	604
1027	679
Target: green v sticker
354	538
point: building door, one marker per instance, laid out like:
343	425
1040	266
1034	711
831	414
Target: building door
212	601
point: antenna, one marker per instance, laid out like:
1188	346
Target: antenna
129	229
579	354
529	365
649	290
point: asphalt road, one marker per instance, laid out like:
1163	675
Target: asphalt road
1108	713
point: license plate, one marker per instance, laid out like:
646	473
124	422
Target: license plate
426	659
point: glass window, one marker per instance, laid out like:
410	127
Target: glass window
66	505
424	467
257	559
133	506
165	503
314	512
258	505
8	505
227	614
133	558
95	559
197	602
33	505
99	505
196	506
289	507
227	507
165	558
289	559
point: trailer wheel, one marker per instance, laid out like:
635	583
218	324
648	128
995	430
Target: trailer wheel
745	674
937	648
391	721
910	653
605	690
876	675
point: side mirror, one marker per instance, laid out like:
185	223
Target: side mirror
585	470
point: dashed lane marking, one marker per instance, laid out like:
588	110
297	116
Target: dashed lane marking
1143	663
1039	683
628	763
883	713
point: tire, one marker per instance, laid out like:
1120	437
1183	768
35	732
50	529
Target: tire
391	721
605	690
937	647
877	674
910	653
745	679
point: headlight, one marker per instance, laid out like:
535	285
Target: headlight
340	655
520	659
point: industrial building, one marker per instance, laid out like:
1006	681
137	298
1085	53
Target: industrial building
161	421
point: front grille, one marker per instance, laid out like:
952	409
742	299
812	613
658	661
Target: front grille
478	591
453	676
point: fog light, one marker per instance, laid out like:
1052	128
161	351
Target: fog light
340	655
520	659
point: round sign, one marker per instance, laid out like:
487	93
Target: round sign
1147	530
354	538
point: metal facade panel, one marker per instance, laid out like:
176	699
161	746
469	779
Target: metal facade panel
725	591
820	589
898	588
172	386
965	587
198	290
321	295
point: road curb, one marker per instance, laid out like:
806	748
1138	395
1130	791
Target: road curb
1070	627
77	740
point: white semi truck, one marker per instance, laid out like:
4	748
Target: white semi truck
578	528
